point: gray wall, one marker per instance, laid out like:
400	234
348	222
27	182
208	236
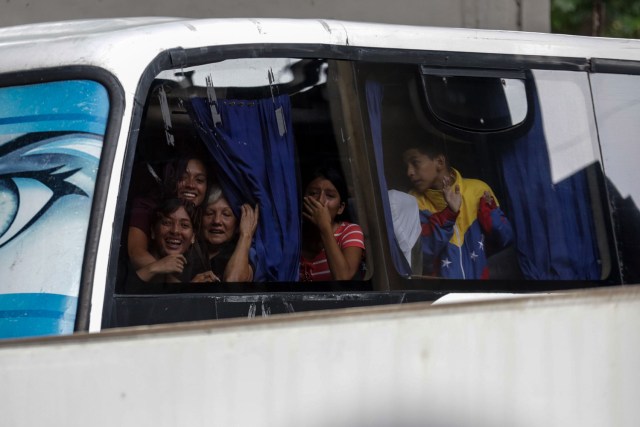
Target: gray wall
528	15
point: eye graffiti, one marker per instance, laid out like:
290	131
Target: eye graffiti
37	170
51	140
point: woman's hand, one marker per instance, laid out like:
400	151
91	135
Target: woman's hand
170	264
317	213
238	268
248	220
206	277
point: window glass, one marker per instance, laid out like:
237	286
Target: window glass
461	101
569	125
267	134
510	202
617	105
51	137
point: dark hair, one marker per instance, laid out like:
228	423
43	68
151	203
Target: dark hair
169	206
175	170
334	176
430	147
173	173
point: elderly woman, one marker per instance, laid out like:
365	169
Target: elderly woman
226	242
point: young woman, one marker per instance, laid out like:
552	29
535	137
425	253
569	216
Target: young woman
332	249
226	242
185	178
172	235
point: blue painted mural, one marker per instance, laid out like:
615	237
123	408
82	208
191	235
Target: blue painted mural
51	137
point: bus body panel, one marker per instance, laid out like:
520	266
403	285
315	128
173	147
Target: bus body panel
562	360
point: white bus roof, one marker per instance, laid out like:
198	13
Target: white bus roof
127	42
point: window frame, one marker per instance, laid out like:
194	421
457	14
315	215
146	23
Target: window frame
613	67
385	277
498	63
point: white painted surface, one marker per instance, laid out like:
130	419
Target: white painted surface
123	44
529	15
570	360
455	298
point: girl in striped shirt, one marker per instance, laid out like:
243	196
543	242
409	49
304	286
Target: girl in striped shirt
332	249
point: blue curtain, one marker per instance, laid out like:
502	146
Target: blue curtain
374	92
256	165
553	223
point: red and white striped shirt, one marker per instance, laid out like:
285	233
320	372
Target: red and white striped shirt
347	235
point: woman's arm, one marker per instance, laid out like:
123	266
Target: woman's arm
138	248
167	265
343	263
238	268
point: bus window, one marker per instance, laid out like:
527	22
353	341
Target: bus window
617	107
51	137
462	100
504	168
262	128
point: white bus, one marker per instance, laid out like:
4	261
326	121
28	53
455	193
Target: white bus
92	112
93	115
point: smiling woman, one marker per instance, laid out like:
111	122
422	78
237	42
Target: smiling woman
185	178
190	181
172	236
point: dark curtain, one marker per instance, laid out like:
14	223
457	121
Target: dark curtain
256	165
553	223
374	92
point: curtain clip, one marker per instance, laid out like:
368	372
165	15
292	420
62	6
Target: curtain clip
213	101
166	116
282	127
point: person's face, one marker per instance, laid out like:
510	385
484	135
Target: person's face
193	184
423	171
218	222
326	193
173	234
